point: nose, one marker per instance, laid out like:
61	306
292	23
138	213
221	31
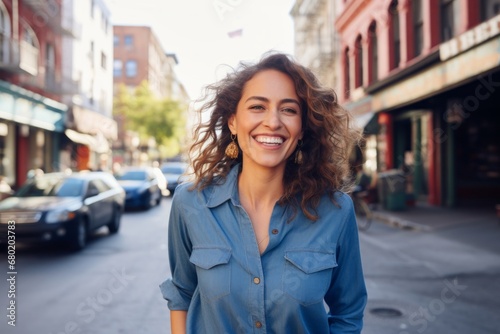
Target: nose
272	119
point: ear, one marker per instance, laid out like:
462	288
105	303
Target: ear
231	123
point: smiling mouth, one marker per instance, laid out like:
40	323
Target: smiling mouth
270	140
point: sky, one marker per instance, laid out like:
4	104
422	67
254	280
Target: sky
197	32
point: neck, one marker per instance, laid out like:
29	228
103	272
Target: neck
259	188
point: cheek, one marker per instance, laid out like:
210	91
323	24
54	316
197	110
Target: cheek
295	127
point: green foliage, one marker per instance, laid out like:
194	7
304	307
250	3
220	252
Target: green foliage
164	120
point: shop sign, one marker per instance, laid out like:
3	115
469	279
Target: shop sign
38	112
91	122
439	77
470	38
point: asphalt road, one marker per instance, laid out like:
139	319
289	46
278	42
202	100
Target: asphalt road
437	282
109	287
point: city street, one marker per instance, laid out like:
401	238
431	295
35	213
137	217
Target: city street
439	282
436	282
110	287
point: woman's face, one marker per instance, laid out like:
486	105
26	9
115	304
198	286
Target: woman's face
268	121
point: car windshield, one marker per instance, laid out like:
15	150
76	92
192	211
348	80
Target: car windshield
172	170
51	186
133	175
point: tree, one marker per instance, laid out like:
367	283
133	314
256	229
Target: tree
151	117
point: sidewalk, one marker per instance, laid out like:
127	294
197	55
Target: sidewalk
424	217
410	266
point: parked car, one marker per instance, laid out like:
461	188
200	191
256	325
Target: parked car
141	187
174	173
63	207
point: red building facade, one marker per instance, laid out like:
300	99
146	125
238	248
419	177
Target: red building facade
422	78
31	87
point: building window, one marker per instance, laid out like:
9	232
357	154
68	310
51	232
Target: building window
418	27
489	9
117	68
91	54
131	68
4	35
29	36
103	60
359	62
347	74
128	40
92	8
372	32
396	51
30	49
50	66
116	40
450	13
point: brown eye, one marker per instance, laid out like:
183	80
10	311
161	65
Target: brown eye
290	111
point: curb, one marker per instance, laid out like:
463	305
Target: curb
401	223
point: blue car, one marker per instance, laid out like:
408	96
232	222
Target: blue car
174	173
141	187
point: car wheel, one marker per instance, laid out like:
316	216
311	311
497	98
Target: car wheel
78	239
114	225
148	203
160	195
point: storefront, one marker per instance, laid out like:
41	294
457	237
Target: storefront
88	136
31	128
441	125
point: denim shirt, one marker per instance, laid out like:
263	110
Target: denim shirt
227	287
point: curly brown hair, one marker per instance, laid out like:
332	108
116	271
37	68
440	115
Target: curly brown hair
327	141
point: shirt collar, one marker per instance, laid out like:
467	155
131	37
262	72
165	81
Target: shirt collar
226	190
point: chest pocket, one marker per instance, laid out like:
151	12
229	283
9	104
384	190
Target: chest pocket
212	268
307	274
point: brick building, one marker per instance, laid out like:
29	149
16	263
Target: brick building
422	78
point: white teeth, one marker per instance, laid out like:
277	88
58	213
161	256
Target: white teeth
269	140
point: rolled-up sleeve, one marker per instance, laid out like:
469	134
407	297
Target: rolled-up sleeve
178	290
347	295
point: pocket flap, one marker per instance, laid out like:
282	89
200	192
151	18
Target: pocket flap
310	261
207	258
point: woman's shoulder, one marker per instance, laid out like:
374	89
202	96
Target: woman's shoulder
343	199
191	194
184	193
338	199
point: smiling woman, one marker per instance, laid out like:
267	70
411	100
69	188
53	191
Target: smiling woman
267	121
262	238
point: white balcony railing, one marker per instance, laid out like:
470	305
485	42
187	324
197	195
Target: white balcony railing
18	56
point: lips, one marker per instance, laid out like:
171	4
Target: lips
269	140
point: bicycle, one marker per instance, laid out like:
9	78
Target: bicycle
364	214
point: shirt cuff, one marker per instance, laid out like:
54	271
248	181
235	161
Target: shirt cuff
176	299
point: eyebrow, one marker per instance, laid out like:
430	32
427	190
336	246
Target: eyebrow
265	99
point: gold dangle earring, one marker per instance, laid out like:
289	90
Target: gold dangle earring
232	149
298	153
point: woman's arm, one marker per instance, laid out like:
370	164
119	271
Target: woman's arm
178	290
178	322
346	297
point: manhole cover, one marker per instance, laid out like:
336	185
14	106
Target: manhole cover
386	312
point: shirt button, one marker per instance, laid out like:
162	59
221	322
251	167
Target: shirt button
258	324
274	231
256	280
